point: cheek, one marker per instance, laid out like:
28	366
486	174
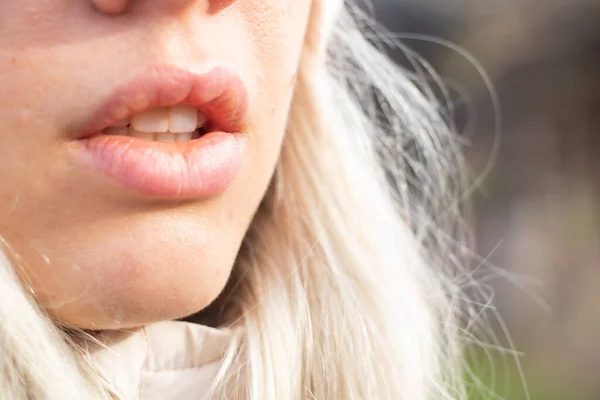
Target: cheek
278	29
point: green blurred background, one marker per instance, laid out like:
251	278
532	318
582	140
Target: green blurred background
537	212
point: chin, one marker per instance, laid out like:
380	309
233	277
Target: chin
133	299
130	287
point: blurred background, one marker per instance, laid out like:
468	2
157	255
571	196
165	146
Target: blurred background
537	212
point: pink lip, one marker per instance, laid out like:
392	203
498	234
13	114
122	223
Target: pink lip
197	168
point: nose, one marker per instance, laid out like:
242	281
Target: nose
115	7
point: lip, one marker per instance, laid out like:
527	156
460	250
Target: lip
194	169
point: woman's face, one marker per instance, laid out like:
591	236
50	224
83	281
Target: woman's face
122	210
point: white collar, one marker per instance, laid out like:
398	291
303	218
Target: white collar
164	360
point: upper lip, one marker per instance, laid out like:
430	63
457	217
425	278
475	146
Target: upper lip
219	93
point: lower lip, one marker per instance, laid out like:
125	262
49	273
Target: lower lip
194	169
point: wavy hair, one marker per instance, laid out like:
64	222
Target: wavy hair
343	287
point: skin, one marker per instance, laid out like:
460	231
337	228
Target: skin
97	255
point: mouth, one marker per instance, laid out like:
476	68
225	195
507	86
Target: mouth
170	133
180	123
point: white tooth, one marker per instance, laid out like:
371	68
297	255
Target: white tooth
151	121
201	120
182	119
122	123
164	137
183	137
141	135
116	131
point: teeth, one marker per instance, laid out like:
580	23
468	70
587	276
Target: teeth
183	137
150	121
141	135
182	119
164	137
168	124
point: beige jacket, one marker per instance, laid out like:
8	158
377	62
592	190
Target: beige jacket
163	361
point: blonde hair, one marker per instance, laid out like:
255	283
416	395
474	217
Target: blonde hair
340	290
